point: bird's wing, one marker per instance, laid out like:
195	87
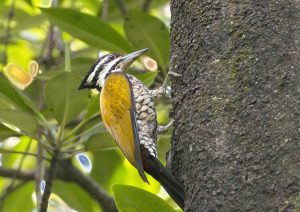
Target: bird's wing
119	117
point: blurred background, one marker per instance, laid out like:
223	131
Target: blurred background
46	49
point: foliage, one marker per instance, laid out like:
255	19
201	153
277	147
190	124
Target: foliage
47	119
130	198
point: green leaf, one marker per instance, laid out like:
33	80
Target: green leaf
15	200
63	99
80	67
74	196
128	175
5	132
18	13
10	160
146	78
100	162
22	120
87	28
29	2
102	141
131	199
145	31
32	21
11	95
163	143
114	14
93	107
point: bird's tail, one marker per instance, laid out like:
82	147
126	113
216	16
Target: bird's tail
155	168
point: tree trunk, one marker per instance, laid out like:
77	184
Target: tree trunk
236	141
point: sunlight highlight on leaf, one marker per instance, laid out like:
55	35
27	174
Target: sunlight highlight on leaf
11	142
84	162
100	54
166	11
56	204
16	129
26	122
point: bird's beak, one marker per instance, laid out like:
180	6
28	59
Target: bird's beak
82	85
127	60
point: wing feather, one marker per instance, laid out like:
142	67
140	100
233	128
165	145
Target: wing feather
119	117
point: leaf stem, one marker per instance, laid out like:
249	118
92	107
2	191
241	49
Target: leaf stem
68	67
71	153
67	141
81	124
4	151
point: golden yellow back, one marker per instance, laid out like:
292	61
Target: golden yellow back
118	115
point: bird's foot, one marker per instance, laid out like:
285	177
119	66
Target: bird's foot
163	129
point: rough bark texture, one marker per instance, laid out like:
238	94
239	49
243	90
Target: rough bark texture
236	142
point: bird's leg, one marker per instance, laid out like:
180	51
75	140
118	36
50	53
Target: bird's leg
163	129
159	92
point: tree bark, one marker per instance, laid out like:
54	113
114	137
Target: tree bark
236	140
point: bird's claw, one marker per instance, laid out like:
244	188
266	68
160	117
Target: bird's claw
172	73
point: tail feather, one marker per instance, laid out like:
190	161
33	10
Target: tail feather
155	168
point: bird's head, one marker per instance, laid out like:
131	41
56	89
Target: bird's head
107	64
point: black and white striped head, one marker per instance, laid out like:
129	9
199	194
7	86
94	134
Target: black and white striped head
107	64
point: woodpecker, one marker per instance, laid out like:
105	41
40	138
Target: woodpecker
129	115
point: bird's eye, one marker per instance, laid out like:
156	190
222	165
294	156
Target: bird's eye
111	56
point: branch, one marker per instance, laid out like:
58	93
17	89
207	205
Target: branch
49	180
39	175
122	7
7	31
53	40
146	5
104	11
49	46
88	184
67	172
22	175
4	151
